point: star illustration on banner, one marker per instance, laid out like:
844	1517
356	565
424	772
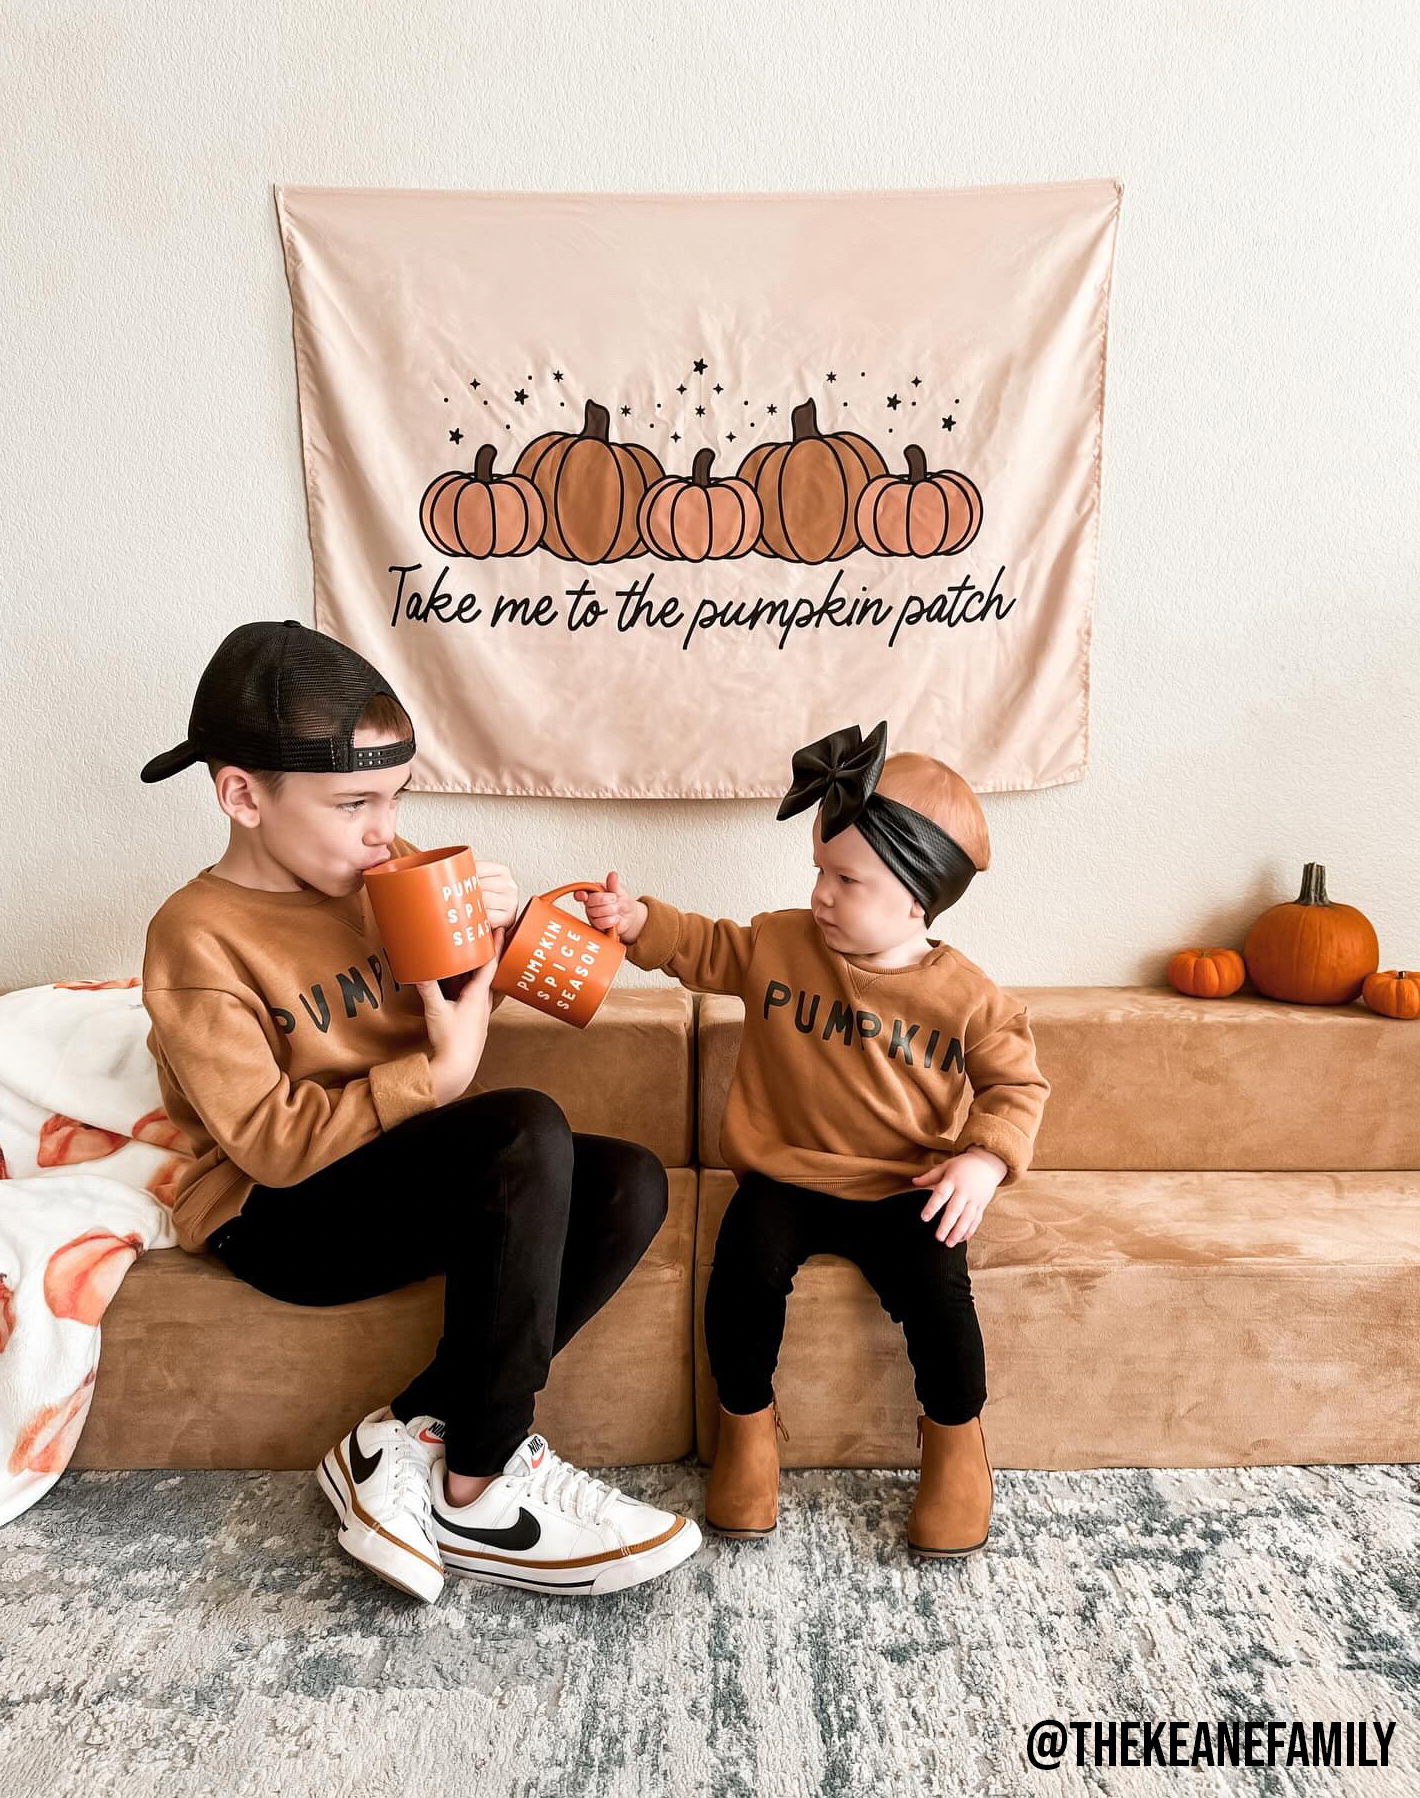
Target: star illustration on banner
521	396
893	402
675	436
557	374
700	411
681	388
717	388
699	365
830	376
916	380
771	410
474	385
455	436
626	411
948	423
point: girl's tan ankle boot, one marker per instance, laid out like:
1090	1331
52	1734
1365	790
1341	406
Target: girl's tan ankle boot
952	1512
742	1497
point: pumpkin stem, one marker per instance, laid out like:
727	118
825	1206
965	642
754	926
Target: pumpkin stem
700	468
483	462
597	422
916	462
805	420
1313	885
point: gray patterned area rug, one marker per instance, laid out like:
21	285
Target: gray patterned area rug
203	1632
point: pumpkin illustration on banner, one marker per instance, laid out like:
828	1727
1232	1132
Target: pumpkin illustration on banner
1311	950
591	489
919	514
482	514
700	519
809	489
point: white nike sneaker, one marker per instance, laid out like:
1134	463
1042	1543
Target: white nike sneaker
550	1527
377	1478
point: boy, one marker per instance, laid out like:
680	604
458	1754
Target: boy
861	1033
342	1147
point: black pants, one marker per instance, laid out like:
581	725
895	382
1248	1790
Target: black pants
771	1228
534	1227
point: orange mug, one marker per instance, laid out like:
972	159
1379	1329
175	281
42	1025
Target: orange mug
557	963
430	914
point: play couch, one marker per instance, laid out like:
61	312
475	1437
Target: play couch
1214	1261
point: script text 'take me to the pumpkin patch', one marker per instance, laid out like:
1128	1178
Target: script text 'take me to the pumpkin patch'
636	607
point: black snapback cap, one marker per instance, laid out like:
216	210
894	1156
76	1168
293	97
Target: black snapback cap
282	697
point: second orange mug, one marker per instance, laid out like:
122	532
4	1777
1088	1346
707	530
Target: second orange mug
430	913
557	963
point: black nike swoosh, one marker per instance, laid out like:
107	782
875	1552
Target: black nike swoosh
361	1464
525	1533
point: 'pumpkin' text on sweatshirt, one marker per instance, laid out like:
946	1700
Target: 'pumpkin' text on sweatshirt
282	1038
850	1078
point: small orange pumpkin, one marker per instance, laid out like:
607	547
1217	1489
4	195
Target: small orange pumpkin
591	489
1393	992
1207	973
919	514
699	518
809	489
1310	950
482	514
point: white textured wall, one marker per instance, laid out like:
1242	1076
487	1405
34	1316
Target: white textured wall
1256	673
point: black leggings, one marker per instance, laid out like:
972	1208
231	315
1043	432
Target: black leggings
534	1227
771	1228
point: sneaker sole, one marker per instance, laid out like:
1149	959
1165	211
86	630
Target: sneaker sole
590	1580
398	1566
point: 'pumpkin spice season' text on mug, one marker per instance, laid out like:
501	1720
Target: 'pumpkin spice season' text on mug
430	913
557	963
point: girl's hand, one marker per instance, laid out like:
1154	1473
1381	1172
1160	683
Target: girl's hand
614	911
499	892
962	1188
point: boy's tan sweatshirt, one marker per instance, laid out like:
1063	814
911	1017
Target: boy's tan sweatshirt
849	1078
282	1039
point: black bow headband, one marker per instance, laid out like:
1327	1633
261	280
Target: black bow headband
840	772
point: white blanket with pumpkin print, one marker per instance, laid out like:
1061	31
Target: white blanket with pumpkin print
87	1165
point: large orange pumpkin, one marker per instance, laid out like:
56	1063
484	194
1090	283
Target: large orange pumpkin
809	489
919	514
1310	950
699	518
1207	973
1393	992
591	489
482	514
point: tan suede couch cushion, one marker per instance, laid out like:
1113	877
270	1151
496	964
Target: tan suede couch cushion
199	1370
1142	1077
1130	1319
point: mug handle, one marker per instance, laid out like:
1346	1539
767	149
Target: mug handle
598	886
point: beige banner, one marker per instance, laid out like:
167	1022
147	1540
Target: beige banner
633	494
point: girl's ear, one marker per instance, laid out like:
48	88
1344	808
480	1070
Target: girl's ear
918	909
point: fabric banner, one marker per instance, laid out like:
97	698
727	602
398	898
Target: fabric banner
633	494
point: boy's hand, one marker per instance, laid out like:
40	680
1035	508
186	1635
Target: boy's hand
458	1028
614	911
499	892
962	1188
